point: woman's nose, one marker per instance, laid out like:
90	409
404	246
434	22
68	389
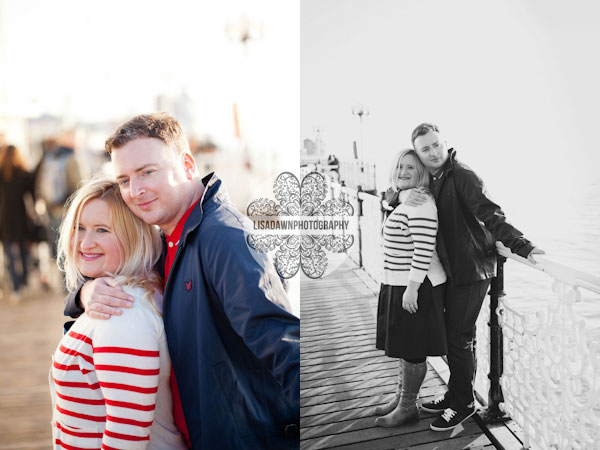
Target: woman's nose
85	240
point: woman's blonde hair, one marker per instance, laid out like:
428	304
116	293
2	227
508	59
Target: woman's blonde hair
140	243
422	174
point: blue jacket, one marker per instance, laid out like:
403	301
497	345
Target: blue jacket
234	345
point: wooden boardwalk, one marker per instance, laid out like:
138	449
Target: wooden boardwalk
29	333
343	377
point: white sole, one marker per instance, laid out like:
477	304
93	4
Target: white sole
453	427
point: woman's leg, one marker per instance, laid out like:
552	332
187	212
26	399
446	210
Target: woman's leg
10	249
24	251
413	374
391	405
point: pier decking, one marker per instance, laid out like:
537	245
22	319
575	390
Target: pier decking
343	376
29	333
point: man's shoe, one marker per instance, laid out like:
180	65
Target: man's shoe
438	406
451	419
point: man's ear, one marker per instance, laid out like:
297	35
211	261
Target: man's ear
190	165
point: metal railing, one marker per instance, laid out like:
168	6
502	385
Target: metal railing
549	371
542	368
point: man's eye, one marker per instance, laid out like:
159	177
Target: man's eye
123	182
436	145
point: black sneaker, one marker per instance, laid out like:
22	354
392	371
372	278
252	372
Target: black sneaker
438	406
451	419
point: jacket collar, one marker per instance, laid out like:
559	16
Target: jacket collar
213	195
448	165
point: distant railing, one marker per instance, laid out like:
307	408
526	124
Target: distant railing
540	369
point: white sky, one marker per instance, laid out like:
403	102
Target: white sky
513	85
99	60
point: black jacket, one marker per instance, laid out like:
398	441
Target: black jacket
470	224
15	224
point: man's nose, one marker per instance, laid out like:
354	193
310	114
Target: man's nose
135	188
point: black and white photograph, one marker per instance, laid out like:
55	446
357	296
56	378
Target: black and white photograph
466	312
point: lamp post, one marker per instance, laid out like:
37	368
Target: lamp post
243	32
360	111
319	143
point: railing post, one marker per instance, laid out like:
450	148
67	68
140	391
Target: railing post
360	214
493	413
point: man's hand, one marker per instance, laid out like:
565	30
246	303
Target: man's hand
535	251
102	298
417	197
409	299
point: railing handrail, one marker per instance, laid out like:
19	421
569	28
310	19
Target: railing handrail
556	270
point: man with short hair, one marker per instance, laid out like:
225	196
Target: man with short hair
233	342
469	226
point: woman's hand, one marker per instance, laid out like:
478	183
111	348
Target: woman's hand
409	299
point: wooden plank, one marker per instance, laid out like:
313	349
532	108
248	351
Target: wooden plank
29	334
343	377
404	436
428	388
338	416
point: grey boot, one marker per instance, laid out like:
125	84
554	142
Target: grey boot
406	411
391	405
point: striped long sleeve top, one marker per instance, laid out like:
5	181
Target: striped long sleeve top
409	237
109	381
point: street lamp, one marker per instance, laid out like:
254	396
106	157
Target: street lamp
360	111
243	32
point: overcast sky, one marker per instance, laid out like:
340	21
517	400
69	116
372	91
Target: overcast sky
109	60
512	84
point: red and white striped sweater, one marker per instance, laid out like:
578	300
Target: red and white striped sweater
110	383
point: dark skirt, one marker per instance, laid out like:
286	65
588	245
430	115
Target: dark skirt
411	336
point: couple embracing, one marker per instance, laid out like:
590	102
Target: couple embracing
439	259
184	339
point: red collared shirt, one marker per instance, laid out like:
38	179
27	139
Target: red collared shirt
172	244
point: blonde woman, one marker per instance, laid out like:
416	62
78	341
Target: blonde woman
410	315
110	378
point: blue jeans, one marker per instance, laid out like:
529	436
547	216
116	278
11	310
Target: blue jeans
18	272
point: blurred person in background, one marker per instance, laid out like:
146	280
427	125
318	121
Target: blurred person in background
57	177
110	378
15	183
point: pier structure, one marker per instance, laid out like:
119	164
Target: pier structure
538	364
